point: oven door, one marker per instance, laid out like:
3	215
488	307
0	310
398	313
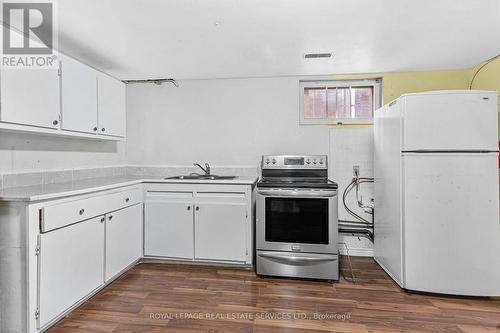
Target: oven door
298	220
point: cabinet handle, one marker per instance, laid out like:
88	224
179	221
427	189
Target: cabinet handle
189	208
81	211
127	199
55	122
103	130
110	217
197	207
95	129
103	219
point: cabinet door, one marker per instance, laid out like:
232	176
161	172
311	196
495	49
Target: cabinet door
123	239
220	231
30	97
111	106
70	266
168	228
79	96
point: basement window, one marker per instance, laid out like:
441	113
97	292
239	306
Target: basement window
339	102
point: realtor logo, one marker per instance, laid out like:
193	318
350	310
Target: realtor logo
36	21
28	35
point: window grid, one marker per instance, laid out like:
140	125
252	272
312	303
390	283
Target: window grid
330	102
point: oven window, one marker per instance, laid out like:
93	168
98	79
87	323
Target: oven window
297	220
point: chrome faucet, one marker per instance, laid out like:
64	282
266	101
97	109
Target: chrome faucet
205	169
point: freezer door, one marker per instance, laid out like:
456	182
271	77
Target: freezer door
450	121
451	224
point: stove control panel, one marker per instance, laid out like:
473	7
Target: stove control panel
294	162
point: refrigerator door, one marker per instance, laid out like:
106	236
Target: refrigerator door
450	120
451	223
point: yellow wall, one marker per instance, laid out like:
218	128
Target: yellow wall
397	83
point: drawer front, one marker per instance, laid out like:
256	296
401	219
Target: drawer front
123	199
60	215
300	265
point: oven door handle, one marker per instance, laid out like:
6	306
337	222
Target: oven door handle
296	259
307	194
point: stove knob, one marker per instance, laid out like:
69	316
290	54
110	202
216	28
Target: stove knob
320	161
274	161
314	161
267	161
308	161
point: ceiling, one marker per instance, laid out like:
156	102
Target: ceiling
186	39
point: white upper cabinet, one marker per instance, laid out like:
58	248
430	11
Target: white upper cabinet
78	96
71	100
30	97
111	106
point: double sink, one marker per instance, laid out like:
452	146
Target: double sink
205	176
202	177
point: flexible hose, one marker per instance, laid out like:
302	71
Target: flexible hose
348	189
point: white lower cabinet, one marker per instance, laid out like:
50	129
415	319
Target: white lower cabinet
168	225
220	231
76	254
123	239
77	244
199	222
70	266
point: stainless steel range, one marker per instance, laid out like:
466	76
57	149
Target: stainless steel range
296	230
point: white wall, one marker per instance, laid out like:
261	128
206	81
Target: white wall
349	147
21	152
224	122
231	122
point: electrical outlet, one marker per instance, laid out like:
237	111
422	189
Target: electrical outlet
355	170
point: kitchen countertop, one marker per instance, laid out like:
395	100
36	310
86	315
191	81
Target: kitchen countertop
85	186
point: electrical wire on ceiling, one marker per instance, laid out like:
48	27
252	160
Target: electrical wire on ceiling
480	68
155	81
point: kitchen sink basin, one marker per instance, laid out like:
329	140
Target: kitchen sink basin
202	177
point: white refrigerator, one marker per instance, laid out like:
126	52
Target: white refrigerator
437	225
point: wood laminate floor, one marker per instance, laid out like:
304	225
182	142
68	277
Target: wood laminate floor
184	298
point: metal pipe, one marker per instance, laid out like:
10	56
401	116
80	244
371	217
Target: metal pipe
357	232
356	223
155	81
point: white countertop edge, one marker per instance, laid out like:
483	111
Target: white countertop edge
28	193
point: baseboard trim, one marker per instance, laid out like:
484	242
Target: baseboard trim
166	260
356	252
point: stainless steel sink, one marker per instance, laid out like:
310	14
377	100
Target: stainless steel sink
202	177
